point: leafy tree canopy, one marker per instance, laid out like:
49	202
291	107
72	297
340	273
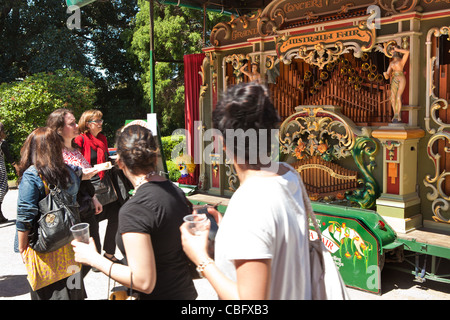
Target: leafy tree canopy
177	31
25	105
111	49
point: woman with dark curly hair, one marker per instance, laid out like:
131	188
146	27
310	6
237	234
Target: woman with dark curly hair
148	233
261	247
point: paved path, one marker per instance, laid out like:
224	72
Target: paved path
13	283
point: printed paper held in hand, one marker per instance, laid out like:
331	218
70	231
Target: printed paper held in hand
103	166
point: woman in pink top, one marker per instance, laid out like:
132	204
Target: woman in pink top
64	123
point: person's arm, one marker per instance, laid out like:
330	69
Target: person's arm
247	73
405	55
22	237
27	207
140	258
253	276
387	74
253	280
98	207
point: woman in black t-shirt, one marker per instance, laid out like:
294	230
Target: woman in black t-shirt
148	234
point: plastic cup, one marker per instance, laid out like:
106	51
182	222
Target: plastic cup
80	232
196	223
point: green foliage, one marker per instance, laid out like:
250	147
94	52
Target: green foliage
34	38
174	172
25	105
173	143
111	49
169	144
177	31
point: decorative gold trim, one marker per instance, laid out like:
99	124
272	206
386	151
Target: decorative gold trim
440	200
316	128
321	48
320	56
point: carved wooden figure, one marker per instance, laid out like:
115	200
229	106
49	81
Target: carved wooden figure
253	74
398	80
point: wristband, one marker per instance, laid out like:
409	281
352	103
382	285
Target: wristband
203	265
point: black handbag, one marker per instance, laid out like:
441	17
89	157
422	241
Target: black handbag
104	189
84	199
56	215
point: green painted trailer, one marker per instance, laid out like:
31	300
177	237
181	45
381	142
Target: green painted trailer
358	240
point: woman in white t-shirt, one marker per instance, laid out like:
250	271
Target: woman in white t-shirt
261	247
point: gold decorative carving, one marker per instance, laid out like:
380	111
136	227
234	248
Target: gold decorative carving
320	56
437	128
321	48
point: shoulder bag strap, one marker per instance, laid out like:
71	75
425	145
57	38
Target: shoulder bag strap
307	202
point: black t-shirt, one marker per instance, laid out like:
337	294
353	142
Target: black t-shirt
158	209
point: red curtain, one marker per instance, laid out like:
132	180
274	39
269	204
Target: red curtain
192	83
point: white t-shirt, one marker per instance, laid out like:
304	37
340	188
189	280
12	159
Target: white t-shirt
266	219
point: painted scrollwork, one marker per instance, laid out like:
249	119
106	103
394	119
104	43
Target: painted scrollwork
321	56
245	22
438	130
437	195
230	171
324	133
325	47
225	27
316	132
394	7
268	25
366	196
237	61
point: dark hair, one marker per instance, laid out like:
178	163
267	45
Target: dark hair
137	149
43	149
56	121
246	106
2	131
397	54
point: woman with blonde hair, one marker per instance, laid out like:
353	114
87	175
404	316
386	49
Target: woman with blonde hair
94	148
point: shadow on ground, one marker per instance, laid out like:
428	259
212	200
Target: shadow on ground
13	285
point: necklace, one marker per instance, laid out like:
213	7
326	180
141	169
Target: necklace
141	181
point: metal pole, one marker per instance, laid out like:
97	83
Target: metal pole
152	61
152	86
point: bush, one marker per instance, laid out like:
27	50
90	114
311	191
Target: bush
173	143
174	173
25	105
169	144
